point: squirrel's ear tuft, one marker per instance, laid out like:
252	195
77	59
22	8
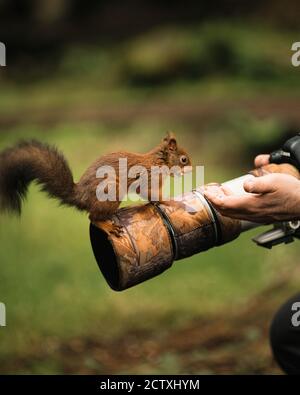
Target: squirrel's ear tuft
170	141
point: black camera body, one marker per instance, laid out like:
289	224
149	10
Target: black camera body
290	153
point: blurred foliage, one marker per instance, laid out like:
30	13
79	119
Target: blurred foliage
215	48
228	90
169	54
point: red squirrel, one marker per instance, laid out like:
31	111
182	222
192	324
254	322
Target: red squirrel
33	160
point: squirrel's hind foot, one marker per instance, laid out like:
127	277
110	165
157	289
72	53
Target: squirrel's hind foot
110	227
115	229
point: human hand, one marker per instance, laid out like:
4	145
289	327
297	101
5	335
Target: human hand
270	198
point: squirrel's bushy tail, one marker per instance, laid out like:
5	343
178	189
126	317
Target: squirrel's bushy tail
32	160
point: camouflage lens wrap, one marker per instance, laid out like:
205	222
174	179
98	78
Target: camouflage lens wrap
154	235
143	251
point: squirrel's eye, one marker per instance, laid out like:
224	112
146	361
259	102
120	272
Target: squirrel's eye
183	159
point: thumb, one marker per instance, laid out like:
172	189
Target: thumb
261	184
